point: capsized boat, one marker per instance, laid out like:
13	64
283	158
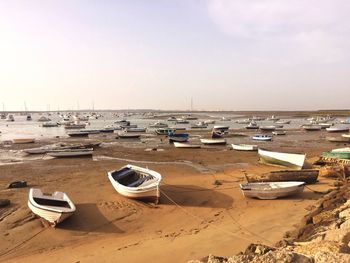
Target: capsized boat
292	160
136	182
244	147
271	190
54	207
309	176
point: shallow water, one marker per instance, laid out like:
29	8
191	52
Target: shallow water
21	128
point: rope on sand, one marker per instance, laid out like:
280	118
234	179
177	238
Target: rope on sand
214	226
22	243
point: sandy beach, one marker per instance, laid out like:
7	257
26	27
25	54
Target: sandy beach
201	210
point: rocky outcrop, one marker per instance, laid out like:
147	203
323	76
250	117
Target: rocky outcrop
322	237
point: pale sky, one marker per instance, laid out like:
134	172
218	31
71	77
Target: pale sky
226	54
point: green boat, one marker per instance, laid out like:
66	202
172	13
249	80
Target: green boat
339	155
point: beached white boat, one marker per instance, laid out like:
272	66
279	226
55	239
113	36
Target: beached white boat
128	135
252	125
262	137
136	182
279	132
244	147
71	153
337	129
222	128
282	122
158	125
345	135
344	150
271	190
186	145
54	208
213	141
311	127
23	140
292	160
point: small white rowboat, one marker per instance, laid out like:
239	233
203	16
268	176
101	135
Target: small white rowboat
244	147
186	145
271	190
293	160
213	141
54	208
136	182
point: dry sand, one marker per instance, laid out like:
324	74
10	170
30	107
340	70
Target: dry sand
195	217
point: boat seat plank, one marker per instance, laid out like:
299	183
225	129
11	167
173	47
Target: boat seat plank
140	181
125	172
51	202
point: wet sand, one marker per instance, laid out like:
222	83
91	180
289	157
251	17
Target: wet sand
196	216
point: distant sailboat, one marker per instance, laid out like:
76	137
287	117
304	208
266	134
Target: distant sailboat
3	115
29	117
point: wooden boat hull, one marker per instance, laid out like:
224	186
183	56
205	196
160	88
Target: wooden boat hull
309	176
292	160
260	192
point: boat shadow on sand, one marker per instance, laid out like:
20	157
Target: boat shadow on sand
194	196
89	219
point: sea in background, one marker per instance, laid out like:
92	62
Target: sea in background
21	128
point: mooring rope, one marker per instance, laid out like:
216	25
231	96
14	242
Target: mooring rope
214	226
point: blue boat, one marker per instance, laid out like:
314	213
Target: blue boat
178	137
